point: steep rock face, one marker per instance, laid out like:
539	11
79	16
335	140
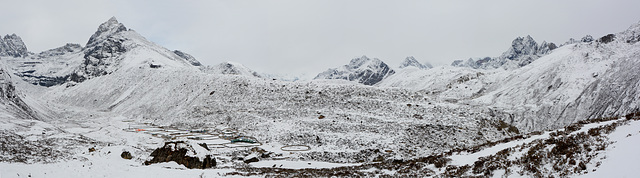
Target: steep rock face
362	70
412	62
523	51
11	99
188	57
12	45
103	50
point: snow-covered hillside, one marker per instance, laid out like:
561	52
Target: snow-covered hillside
124	95
578	81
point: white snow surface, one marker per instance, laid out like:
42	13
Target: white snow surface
622	157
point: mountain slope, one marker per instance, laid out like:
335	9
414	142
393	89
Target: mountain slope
12	102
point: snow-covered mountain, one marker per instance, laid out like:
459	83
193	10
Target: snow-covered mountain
107	50
12	45
122	96
589	79
362	70
412	62
523	51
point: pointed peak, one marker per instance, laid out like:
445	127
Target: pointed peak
113	19
411	62
12	45
106	29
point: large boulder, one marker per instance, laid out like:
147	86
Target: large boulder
181	153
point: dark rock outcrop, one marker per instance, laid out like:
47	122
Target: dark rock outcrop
607	38
178	152
188	57
126	155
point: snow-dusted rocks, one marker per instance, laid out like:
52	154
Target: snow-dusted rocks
66	49
106	30
523	51
188	57
362	70
11	100
632	34
412	62
12	45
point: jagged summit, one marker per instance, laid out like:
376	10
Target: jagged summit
106	29
12	45
363	70
523	51
412	62
521	46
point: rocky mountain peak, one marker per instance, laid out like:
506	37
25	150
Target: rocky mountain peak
412	62
12	45
106	29
523	51
521	46
362	70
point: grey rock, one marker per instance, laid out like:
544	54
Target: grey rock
188	57
12	45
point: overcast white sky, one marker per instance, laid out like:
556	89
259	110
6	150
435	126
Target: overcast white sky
306	37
